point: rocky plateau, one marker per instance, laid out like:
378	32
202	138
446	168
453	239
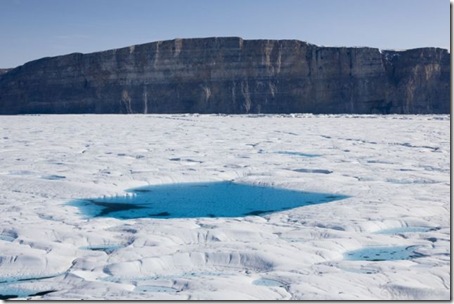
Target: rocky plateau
231	76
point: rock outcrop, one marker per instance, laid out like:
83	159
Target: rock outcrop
4	71
232	75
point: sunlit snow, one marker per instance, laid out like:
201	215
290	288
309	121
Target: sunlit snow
383	235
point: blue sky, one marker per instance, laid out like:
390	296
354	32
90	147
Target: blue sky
32	29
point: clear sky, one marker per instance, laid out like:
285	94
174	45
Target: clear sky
32	29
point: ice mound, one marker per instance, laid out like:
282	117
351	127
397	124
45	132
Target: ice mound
190	262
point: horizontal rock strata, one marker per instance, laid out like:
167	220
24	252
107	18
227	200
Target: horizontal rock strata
232	76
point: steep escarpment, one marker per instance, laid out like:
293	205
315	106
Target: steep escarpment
231	75
419	80
4	71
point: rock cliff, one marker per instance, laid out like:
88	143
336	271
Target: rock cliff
232	75
4	71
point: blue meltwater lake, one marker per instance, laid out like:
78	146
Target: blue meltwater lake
193	200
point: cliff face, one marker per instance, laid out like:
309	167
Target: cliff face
419	80
231	75
4	71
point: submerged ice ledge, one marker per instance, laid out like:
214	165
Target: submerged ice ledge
193	200
384	253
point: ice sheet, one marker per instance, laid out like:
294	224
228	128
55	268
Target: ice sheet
394	169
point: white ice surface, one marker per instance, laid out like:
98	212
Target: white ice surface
396	170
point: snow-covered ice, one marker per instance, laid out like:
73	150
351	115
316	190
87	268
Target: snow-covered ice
394	171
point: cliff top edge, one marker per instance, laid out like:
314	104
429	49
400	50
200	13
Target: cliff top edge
221	42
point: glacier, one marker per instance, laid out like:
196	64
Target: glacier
393	170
